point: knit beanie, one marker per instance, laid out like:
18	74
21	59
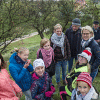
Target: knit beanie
84	76
96	22
38	62
86	54
76	21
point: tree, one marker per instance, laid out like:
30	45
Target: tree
91	13
11	18
39	14
66	12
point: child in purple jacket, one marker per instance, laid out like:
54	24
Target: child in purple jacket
42	87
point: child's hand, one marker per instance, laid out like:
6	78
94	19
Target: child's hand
26	64
29	61
19	94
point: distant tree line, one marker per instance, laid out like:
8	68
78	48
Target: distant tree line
16	15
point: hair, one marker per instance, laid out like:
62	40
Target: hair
3	63
89	28
20	50
43	42
57	26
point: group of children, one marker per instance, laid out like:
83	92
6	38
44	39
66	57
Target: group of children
38	85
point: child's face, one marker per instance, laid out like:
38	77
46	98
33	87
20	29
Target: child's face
82	60
24	55
47	46
39	70
58	31
83	87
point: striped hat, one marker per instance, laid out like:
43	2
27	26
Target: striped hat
84	76
86	54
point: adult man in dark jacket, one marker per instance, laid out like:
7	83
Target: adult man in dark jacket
74	36
96	30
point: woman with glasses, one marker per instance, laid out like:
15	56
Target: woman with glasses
88	41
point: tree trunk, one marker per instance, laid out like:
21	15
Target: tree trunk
64	28
41	35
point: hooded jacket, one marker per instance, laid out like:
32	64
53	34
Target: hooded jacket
21	75
7	86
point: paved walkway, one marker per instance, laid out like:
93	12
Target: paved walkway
25	36
17	39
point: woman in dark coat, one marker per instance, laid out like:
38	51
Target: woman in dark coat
88	41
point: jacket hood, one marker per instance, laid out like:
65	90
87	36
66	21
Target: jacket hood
12	58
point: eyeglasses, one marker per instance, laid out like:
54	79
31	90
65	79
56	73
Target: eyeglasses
81	57
85	33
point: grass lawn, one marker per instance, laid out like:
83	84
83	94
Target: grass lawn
33	44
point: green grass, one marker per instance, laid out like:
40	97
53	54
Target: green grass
33	45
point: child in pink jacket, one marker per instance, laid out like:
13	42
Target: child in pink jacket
9	90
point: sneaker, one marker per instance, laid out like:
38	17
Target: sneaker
58	84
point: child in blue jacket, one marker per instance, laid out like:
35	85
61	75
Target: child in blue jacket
20	69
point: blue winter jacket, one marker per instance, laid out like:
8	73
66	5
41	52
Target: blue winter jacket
95	59
21	75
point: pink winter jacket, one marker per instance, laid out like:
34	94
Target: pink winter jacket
6	91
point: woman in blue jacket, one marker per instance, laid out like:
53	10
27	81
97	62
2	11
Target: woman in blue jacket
88	41
20	69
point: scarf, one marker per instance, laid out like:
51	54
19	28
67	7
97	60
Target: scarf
58	41
86	43
88	96
47	56
19	60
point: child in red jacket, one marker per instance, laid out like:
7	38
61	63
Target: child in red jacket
9	90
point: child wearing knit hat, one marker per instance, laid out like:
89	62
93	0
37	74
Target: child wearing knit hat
82	65
84	89
42	87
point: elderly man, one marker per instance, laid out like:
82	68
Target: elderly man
96	30
74	36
